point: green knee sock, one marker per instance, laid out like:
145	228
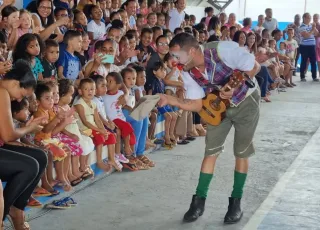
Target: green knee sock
238	184
203	184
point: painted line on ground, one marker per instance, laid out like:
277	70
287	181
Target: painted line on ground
279	188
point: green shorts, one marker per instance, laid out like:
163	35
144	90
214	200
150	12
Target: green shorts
245	119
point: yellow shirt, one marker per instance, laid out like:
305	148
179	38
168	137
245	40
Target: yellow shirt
88	112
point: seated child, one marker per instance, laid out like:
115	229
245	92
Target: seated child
270	63
114	155
159	72
47	180
114	112
71	146
66	91
49	60
89	121
282	48
45	101
139	93
140	127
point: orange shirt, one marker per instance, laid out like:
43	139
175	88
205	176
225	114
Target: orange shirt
41	112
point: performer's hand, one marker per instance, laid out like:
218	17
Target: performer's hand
163	100
226	94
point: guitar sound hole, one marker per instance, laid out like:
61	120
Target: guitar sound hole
215	106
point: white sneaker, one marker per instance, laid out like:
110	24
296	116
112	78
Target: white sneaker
121	158
119	164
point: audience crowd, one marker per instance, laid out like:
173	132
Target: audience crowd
72	72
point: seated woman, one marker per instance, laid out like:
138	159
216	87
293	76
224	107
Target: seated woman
20	166
263	77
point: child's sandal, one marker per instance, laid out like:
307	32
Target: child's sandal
40	192
69	201
33	203
58	204
167	146
76	182
54	193
173	141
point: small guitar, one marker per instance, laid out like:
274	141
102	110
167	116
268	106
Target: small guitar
214	107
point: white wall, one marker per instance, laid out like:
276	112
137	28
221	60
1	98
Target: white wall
198	11
313	6
283	10
19	4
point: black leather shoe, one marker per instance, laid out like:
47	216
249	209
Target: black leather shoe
234	213
196	209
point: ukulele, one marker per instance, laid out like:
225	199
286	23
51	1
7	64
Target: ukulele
214	107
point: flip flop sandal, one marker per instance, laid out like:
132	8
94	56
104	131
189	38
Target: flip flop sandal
54	193
89	170
40	192
173	141
158	141
190	138
86	175
34	204
58	204
76	182
131	167
183	142
69	201
62	185
168	146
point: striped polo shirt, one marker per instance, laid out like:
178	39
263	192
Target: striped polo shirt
310	41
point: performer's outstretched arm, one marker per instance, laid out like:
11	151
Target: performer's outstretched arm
184	104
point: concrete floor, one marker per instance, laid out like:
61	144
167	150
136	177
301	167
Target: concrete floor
158	198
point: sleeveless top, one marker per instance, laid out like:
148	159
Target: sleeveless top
88	112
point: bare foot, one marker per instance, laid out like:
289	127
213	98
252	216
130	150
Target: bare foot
114	164
64	184
67	187
194	133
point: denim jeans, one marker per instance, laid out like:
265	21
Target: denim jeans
264	74
140	131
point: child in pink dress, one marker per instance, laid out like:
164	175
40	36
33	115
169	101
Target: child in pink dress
72	145
66	92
